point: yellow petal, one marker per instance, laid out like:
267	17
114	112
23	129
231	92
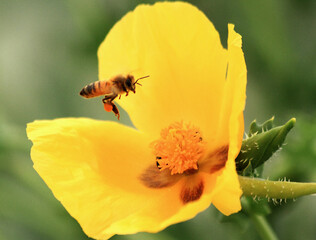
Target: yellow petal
94	168
227	200
180	49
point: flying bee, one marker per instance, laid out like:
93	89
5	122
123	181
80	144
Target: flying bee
111	89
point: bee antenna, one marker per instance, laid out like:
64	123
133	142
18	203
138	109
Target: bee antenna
136	82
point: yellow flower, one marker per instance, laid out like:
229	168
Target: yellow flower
188	115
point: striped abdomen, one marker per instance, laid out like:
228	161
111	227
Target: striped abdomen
96	89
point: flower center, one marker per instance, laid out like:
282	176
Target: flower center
179	148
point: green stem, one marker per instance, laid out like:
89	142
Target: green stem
260	222
275	189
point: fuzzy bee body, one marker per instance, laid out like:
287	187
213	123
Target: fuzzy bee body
111	88
98	88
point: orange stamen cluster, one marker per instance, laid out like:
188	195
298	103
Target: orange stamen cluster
179	148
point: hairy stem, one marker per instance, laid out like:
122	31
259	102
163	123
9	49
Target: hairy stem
275	189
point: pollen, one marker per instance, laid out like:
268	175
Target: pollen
108	106
179	148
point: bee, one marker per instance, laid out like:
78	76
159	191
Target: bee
111	89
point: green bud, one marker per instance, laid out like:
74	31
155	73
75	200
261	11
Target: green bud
259	146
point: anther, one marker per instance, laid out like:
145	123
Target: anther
157	163
181	146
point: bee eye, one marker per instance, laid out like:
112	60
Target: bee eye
128	83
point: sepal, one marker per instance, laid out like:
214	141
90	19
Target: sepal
262	141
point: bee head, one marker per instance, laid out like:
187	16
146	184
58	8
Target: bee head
129	83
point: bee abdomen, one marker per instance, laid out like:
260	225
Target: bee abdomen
92	90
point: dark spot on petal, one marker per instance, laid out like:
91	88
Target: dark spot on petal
220	158
152	177
191	171
216	167
192	193
216	160
223	151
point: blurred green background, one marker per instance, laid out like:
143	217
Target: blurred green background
48	53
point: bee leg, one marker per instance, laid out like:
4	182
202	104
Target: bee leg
120	96
109	97
126	94
116	111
